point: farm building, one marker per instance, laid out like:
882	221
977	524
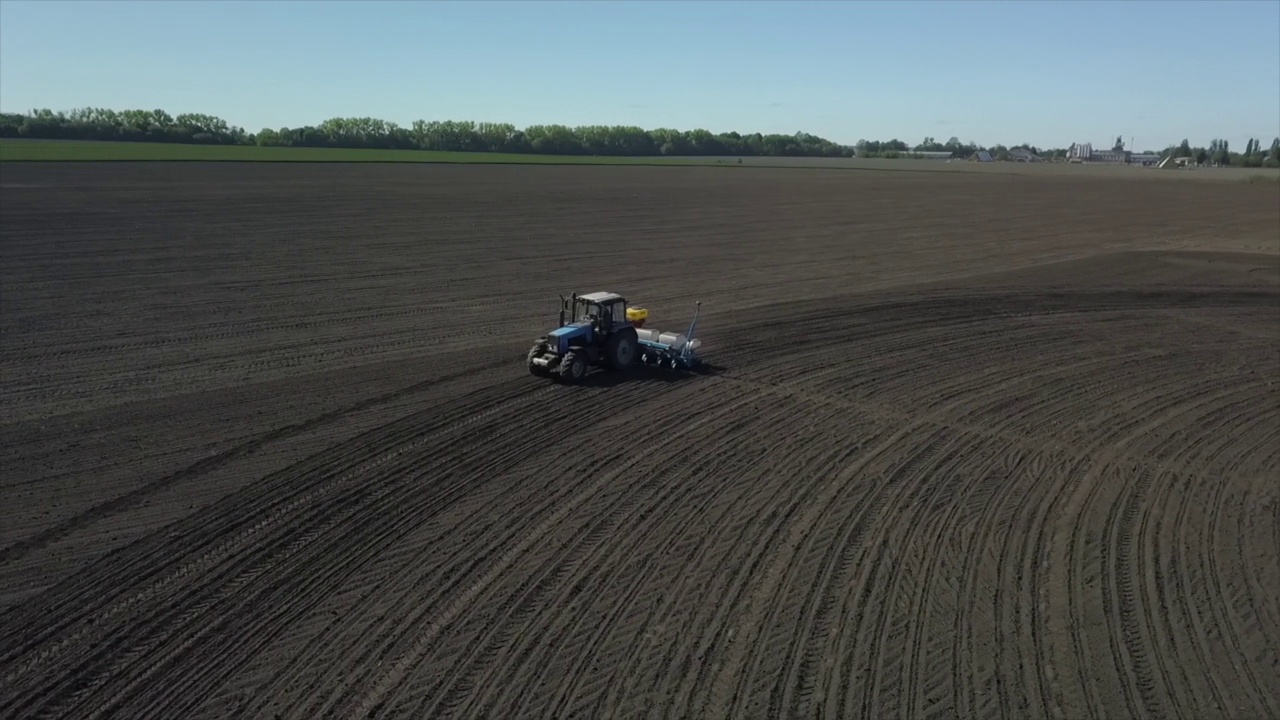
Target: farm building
982	156
1080	151
1084	152
1144	158
1109	156
1020	155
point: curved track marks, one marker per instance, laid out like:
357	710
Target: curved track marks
972	518
1047	495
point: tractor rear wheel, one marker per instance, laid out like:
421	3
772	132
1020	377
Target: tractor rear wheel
620	350
572	367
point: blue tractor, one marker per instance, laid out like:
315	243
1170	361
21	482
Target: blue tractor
598	333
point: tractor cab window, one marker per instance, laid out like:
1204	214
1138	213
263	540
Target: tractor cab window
609	315
587	310
594	310
613	314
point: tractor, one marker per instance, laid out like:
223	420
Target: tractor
600	332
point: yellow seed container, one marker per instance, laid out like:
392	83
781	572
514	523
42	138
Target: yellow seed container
637	315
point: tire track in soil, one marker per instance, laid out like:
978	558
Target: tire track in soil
672	490
808	377
583	685
910	493
1138	657
782	520
713	636
732	584
225	331
320	502
766	458
1264	604
1228	593
820	631
988	408
801	524
72	394
983	527
279	483
706	553
946	411
335	630
369	643
1256	620
1119	604
375	693
135	497
1165	584
913	612
1016	604
1034	563
1046	696
810	464
703	632
929	682
494	460
1045	660
1173	593
384	522
559	570
615	391
1107	452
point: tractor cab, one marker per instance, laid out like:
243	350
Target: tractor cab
604	310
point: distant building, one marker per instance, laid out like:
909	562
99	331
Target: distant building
1144	158
1084	152
982	156
1020	155
1080	152
1116	157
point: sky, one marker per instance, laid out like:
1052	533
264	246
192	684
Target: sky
1033	71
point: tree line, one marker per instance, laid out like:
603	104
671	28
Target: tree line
448	135
467	136
898	149
1219	152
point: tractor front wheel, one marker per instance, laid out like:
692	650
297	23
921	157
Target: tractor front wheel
573	367
536	352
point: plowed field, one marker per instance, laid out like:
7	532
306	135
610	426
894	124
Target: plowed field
969	446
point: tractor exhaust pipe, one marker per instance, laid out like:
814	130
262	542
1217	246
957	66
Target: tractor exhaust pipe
562	311
573	308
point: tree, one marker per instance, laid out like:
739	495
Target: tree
1219	151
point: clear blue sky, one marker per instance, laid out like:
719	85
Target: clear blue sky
1015	71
